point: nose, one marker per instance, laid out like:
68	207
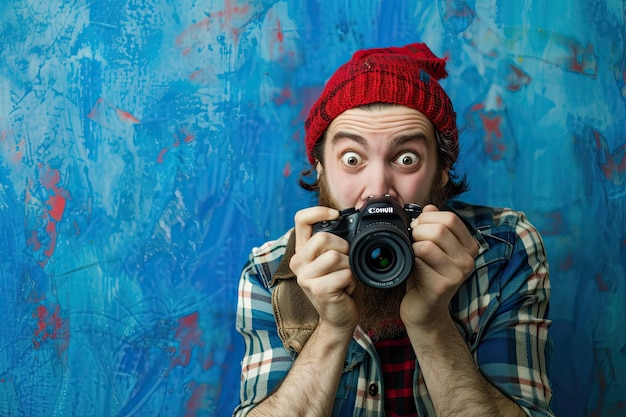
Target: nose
379	182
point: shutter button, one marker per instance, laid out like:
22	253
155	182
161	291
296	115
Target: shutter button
372	389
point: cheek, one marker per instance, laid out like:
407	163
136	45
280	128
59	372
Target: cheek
415	189
347	193
344	189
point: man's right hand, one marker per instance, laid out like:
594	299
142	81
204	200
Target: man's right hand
323	271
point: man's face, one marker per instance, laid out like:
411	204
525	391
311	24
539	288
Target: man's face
389	150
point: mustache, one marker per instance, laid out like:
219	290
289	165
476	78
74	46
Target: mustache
436	196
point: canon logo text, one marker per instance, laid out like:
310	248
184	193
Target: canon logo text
380	210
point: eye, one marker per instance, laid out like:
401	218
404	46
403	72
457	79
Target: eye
407	159
351	159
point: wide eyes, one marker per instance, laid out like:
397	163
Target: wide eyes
351	159
407	159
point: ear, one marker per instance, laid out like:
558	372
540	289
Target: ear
445	176
318	168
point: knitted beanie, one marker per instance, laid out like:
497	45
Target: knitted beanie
398	75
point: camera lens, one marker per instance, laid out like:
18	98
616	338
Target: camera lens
380	258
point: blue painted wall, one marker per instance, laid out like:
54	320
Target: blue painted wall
146	146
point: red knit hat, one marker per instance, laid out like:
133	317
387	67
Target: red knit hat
406	76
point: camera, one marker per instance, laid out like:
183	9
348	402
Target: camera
381	254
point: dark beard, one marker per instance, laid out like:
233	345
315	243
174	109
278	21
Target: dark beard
324	198
380	309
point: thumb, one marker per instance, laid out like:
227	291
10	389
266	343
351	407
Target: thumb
429	208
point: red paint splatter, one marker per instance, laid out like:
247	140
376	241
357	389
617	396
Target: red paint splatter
201	398
51	230
209	362
54	208
50	178
280	38
107	115
93	113
287	170
57	206
187	138
494	146
49	325
614	166
498	141
161	154
285	96
190	36
602	284
33	241
189	335
198	36
276	46
195	75
19	152
126	117
580	59
231	12
454	9
517	78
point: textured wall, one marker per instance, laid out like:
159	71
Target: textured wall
147	145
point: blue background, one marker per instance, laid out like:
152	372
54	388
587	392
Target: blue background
146	146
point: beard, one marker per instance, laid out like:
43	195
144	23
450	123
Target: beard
380	308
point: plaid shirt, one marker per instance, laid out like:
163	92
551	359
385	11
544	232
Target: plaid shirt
500	310
398	365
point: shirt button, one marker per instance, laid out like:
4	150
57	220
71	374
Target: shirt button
372	390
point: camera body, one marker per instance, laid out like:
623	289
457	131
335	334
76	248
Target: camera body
381	254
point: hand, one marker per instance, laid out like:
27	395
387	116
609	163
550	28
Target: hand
444	257
323	271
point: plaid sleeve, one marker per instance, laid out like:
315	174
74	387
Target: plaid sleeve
265	362
514	348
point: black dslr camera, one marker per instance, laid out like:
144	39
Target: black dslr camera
381	255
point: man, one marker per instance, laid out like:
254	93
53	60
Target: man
465	335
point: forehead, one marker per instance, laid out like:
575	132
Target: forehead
383	118
381	122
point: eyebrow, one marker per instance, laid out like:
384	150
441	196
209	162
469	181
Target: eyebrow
412	137
397	140
345	135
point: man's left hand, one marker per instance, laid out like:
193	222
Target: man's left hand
444	257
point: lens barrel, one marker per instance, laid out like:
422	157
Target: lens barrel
381	255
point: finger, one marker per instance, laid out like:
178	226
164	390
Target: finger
305	218
316	246
441	235
450	221
455	266
329	271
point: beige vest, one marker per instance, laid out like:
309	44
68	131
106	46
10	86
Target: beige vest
296	318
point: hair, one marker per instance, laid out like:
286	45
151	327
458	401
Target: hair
447	149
